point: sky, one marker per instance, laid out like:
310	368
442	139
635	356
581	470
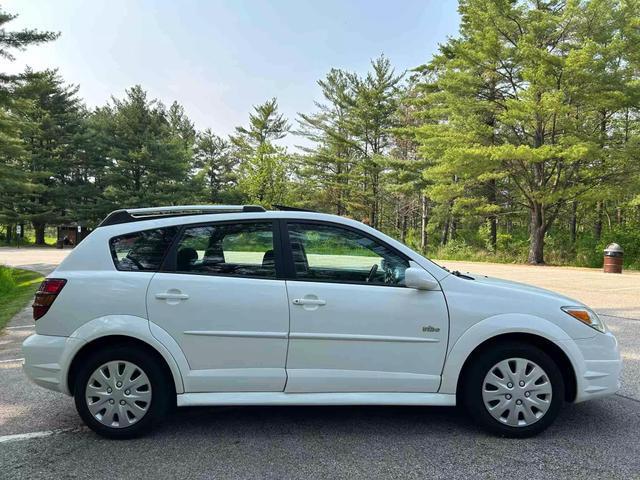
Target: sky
218	58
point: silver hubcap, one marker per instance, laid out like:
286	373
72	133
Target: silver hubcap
118	394
516	392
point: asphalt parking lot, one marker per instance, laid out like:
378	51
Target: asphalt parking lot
42	437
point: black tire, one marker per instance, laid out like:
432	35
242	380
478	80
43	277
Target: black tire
162	397
472	385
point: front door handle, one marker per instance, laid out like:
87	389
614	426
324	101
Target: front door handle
309	301
172	296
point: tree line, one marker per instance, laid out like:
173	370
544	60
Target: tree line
517	141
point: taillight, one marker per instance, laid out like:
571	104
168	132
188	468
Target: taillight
46	294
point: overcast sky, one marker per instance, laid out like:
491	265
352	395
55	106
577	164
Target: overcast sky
220	57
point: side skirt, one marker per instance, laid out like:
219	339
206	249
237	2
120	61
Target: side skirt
281	398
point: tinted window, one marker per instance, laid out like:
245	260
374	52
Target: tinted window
141	251
330	253
244	249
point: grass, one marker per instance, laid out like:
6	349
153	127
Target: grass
17	288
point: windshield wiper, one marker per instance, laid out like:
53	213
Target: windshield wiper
462	275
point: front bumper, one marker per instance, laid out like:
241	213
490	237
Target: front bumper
47	359
598	366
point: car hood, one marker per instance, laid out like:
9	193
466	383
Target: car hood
523	288
472	301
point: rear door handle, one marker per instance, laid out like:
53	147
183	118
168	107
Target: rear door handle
171	296
309	301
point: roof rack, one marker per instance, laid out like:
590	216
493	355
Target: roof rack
137	214
285	208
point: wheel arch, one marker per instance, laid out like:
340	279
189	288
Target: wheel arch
116	329
544	344
508	328
109	341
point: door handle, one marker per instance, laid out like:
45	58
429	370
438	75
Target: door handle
308	301
171	296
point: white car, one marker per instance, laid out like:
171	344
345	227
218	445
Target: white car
235	305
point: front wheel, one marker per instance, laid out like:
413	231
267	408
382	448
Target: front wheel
121	392
514	390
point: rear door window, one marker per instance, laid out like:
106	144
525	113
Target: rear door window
142	251
240	249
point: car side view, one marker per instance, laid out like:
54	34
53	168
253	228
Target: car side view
236	305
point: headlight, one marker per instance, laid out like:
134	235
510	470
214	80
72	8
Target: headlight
586	316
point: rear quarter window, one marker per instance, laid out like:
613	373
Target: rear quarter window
141	251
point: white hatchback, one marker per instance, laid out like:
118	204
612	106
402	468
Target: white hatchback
235	305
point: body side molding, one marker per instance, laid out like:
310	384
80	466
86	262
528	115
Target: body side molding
281	398
363	338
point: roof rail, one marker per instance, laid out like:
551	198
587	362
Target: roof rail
285	208
137	214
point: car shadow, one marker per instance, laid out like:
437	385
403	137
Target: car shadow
431	422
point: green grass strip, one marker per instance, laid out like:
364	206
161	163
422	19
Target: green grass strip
14	299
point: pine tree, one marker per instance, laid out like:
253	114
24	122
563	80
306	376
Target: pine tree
263	165
149	164
326	167
216	166
52	119
14	182
517	94
352	133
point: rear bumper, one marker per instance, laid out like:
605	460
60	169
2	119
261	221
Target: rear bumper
598	371
47	359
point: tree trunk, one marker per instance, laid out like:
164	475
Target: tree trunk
9	234
374	203
454	228
445	232
339	189
39	231
619	218
493	220
574	221
597	226
493	233
537	231
373	219
21	231
403	229
423	224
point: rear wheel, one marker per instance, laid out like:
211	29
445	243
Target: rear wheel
514	390
121	393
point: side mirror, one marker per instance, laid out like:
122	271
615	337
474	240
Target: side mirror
417	277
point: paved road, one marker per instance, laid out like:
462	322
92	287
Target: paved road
598	439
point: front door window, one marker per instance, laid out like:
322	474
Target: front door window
327	253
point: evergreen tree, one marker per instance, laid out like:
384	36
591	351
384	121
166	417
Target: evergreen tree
326	168
263	164
216	166
14	182
10	41
353	134
370	121
148	164
515	94
52	126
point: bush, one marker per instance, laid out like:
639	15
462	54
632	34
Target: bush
460	250
558	249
